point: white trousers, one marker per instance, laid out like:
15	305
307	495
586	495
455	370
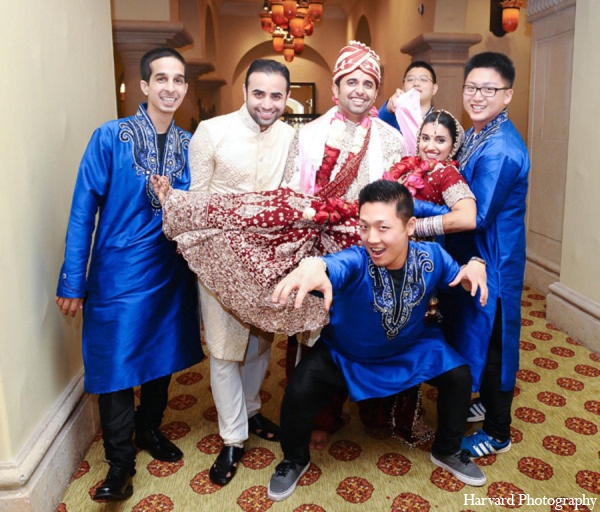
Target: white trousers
235	389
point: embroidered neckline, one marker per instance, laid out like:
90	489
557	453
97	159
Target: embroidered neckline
140	132
395	313
473	141
250	123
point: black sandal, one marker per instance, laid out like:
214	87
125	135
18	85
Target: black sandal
226	463
263	428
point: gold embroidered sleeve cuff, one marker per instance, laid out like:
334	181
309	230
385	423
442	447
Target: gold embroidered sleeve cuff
315	258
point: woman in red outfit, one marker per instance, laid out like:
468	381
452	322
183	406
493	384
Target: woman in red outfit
433	176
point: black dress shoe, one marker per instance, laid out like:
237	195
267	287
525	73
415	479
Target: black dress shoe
224	468
153	441
117	485
263	427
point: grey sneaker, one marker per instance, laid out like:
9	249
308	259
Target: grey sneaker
461	466
284	480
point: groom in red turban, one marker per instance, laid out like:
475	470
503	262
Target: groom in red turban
357	56
335	156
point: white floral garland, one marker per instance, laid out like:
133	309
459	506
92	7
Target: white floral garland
335	135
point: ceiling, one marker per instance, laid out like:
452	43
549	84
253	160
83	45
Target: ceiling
333	8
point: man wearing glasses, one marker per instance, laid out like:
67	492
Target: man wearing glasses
495	163
420	76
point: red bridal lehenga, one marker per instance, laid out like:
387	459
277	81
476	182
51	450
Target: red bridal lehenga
242	245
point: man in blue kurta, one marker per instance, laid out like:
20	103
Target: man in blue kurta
495	163
138	296
377	342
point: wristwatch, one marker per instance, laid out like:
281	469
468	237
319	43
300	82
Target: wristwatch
478	260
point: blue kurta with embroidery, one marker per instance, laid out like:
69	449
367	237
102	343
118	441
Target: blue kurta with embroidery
377	335
495	163
140	316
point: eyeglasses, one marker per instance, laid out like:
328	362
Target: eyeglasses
488	92
421	79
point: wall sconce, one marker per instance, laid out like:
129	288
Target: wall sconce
504	16
122	92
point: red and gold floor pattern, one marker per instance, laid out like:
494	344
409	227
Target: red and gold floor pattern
555	453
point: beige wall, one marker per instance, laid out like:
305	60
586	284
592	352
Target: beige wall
553	33
580	270
152	10
450	15
59	77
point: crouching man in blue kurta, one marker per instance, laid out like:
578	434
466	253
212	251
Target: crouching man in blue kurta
138	296
377	342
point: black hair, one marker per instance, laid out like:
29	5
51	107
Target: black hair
497	61
155	54
444	119
389	192
269	67
421	64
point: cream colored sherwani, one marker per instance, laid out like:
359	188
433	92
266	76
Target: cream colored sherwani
230	154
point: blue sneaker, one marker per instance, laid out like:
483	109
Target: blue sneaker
480	444
476	411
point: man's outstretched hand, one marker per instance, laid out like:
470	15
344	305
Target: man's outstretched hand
309	276
473	277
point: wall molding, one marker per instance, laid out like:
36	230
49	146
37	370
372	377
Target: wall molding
540	272
16	473
537	9
574	313
39	475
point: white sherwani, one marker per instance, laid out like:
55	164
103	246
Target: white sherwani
230	154
386	148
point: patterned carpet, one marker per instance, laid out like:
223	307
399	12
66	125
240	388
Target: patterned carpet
555	453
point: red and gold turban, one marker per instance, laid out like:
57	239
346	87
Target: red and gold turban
357	56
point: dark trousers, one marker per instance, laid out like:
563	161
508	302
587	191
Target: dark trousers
317	377
119	419
497	403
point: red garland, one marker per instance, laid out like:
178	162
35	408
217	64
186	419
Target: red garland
334	211
410	171
324	173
